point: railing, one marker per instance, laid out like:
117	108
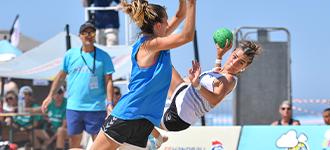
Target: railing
129	28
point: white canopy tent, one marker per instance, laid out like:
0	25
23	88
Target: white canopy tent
43	62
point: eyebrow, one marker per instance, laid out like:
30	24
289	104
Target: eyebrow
235	54
238	57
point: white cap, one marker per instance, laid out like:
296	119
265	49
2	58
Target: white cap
25	89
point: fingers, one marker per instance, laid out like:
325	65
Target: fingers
217	46
228	44
44	107
197	68
190	70
195	64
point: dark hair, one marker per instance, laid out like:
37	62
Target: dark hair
11	92
250	49
60	90
145	15
327	109
117	88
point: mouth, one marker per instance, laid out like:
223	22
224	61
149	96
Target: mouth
89	41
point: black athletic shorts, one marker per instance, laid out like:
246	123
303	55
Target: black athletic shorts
134	132
171	119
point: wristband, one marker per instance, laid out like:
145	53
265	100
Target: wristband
109	103
218	61
199	86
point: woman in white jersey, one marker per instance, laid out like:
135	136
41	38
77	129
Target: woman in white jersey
191	100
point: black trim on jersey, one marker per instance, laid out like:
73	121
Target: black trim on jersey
171	119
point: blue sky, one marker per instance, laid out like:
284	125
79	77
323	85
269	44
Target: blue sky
307	22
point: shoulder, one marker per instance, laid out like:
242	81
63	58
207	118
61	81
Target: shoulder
156	44
296	122
228	79
275	122
101	52
225	84
72	50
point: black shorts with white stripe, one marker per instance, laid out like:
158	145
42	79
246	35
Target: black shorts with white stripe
134	132
171	119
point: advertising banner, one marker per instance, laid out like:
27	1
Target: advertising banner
285	138
203	138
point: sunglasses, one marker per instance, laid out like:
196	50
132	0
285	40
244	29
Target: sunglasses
9	98
286	108
28	93
117	93
88	33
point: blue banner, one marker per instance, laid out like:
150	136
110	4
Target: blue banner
285	138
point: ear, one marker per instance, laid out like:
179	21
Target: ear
157	27
244	68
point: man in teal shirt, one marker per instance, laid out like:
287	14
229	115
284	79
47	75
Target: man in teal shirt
88	74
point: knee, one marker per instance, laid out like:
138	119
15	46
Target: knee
61	131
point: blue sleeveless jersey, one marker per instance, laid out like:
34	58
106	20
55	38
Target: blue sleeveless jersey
148	89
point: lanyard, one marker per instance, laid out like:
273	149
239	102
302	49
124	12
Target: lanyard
92	70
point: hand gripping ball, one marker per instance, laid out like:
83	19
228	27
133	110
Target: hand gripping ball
221	35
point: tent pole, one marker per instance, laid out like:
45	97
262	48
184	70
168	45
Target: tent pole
67	37
196	54
2	86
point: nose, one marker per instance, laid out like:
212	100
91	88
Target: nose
234	62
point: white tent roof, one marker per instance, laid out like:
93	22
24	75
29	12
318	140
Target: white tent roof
43	62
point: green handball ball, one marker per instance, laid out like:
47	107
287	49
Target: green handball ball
221	35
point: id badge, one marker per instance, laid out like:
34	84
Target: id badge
93	84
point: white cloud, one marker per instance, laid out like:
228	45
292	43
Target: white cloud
302	138
287	140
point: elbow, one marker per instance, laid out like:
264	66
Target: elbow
181	14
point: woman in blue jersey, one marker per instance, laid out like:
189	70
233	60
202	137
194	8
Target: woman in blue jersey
190	101
137	112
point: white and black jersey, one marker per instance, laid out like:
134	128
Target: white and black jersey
188	105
